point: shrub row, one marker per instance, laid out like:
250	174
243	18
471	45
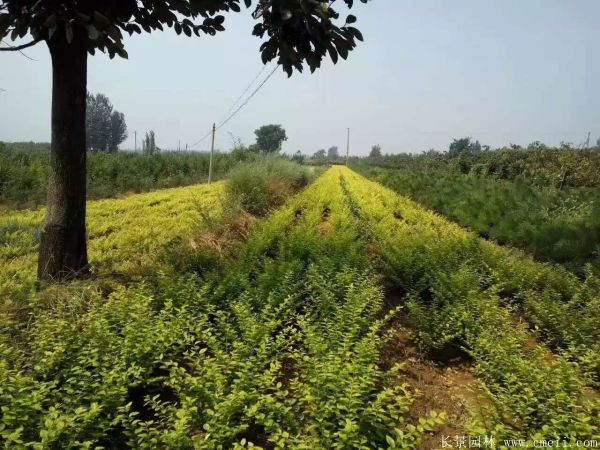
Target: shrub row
24	172
277	347
537	164
462	291
561	226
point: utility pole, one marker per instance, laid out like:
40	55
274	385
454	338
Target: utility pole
135	145
179	145
212	151
587	141
348	147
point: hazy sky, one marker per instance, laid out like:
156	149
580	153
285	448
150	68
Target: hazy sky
504	71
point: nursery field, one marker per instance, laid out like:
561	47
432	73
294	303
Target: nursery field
24	169
552	224
349	317
126	236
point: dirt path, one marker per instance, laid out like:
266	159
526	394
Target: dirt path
445	381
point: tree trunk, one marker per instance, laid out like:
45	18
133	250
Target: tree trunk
63	248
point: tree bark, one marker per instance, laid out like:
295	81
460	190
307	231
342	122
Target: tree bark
63	248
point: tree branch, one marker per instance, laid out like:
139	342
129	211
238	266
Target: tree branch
18	48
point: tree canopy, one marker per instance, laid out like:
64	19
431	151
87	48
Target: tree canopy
118	130
270	137
149	144
332	152
320	154
375	151
105	128
295	32
463	145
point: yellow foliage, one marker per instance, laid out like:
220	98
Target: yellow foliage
125	235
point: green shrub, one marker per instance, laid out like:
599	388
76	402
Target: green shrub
264	183
561	226
24	172
537	164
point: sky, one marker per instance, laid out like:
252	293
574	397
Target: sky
500	71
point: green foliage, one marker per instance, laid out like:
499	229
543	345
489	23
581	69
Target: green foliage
375	152
463	146
118	130
281	344
296	32
264	183
561	226
242	153
105	128
149	146
298	157
278	348
333	153
270	137
24	172
537	164
463	292
320	155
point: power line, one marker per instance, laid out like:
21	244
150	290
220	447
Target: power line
201	139
244	103
247	89
248	99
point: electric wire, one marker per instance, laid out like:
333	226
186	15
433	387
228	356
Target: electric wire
242	105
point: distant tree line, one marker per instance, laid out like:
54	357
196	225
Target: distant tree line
322	156
24	172
564	166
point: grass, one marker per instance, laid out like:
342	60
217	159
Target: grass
264	184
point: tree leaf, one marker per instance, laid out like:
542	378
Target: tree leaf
93	32
101	19
5	22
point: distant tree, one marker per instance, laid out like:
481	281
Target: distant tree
320	155
298	157
97	122
375	151
296	33
598	142
463	146
149	144
270	137
332	152
105	128
118	130
536	145
459	146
